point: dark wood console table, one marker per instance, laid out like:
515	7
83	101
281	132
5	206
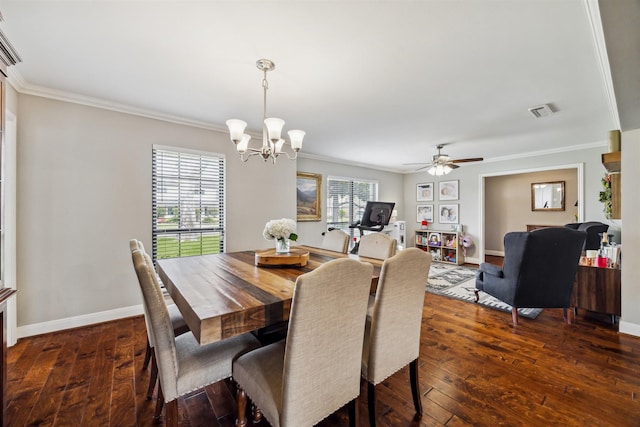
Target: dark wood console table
598	289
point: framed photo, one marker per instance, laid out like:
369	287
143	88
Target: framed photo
424	213
448	214
308	198
424	192
448	190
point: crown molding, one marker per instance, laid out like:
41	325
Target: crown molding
23	87
347	162
597	32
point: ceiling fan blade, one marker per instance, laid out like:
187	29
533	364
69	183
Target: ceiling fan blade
471	159
453	166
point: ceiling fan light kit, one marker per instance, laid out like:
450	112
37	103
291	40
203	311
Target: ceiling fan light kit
442	164
272	143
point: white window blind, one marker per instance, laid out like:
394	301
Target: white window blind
188	203
346	200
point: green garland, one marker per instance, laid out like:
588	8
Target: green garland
605	195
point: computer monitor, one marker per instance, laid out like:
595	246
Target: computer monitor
377	213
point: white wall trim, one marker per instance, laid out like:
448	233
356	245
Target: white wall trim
629	328
597	32
78	321
494	253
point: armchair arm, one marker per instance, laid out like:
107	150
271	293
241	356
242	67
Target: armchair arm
492	270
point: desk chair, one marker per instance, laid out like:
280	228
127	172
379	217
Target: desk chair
299	381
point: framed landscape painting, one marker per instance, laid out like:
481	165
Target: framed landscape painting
424	192
308	196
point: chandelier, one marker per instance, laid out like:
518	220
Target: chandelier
272	144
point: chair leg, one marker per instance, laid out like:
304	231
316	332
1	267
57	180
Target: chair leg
415	387
241	397
159	403
566	314
371	403
514	316
153	377
171	418
147	356
353	413
475	291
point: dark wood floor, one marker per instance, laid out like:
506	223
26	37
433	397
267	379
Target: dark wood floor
475	369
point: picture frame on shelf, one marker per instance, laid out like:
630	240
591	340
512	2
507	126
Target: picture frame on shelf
448	190
448	214
424	192
309	196
424	213
434	239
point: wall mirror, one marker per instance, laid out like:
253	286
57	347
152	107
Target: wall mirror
547	196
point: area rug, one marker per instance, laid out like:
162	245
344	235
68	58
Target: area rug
459	282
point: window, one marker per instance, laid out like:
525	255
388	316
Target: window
188	203
346	200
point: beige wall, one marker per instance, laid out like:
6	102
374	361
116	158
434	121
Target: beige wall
508	205
84	190
630	321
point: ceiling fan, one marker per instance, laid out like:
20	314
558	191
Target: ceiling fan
442	164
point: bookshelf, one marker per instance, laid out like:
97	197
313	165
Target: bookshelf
442	245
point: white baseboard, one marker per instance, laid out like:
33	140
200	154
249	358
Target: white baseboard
629	328
494	253
472	260
78	321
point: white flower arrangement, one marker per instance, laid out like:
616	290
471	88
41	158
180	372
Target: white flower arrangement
280	229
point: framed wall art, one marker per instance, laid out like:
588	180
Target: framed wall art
308	198
448	214
448	190
424	213
424	192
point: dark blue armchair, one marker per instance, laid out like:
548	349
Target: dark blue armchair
594	231
538	271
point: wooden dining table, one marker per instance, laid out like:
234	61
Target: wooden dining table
227	294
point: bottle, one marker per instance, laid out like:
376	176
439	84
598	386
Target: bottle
601	258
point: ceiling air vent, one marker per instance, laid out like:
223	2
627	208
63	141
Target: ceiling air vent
541	111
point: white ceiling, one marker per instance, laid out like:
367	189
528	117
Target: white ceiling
373	82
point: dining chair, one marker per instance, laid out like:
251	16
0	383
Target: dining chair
392	333
377	245
177	321
336	240
316	370
183	364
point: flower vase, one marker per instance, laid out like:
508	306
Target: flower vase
282	246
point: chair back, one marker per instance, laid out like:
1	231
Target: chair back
159	320
336	240
377	245
324	342
393	335
136	245
543	263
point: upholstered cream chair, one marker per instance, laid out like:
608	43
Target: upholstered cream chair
336	240
177	321
392	333
183	364
377	245
299	381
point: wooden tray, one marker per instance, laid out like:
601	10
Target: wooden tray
269	257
